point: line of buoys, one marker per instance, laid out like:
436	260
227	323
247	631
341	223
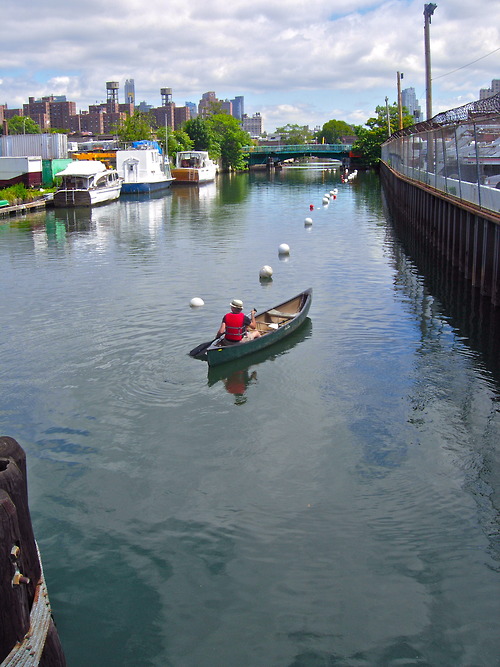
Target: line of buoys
266	271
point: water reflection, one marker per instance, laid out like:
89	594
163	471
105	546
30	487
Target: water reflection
238	375
468	312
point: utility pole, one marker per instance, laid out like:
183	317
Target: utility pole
428	12
388	116
400	104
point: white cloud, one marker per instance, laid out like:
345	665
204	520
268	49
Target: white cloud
287	59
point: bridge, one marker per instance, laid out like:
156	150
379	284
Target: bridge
272	154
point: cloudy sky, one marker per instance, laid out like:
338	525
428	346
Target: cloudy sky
294	61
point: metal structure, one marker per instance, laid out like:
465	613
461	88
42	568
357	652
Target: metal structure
262	154
428	12
442	183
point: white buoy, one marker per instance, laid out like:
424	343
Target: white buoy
326	200
196	302
308	222
284	249
266	271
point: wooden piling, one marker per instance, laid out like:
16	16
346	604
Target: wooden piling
28	636
463	235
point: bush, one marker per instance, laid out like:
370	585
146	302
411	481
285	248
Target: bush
19	194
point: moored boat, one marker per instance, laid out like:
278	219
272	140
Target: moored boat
273	324
143	168
194	167
87	182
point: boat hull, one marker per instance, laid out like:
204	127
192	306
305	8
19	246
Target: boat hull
217	355
187	175
69	198
155	186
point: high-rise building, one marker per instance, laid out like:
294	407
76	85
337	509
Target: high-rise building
129	91
488	92
409	100
193	109
227	107
252	125
238	107
207	99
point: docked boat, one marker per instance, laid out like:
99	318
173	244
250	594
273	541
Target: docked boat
87	182
194	167
143	168
273	324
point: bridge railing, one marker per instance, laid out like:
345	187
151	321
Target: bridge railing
299	148
460	157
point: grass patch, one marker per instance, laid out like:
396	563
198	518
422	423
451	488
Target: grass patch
19	194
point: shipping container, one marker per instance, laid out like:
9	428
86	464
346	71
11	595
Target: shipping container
48	146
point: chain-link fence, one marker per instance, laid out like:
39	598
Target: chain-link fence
456	152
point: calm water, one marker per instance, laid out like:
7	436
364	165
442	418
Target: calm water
336	502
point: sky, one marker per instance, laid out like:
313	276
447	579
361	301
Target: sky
295	61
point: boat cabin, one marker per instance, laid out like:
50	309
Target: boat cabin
192	159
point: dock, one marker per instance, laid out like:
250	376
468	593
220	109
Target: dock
22	209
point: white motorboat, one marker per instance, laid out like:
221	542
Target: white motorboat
87	182
143	168
194	167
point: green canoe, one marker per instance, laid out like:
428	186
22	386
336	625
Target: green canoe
274	325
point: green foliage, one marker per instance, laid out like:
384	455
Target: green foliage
295	134
227	133
178	140
23	125
214	108
198	131
136	128
333	130
18	193
375	132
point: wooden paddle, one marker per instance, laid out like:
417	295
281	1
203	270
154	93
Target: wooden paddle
200	349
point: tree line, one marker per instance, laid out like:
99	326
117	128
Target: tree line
223	137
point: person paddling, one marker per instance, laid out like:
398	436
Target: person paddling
235	324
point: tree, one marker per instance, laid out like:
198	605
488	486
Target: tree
295	134
23	125
136	128
370	138
333	130
199	132
178	140
230	138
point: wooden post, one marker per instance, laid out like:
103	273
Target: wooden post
22	587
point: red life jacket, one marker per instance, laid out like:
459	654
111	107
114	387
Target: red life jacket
234	326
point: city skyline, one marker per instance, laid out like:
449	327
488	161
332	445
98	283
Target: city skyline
293	63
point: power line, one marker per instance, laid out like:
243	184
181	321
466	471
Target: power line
468	64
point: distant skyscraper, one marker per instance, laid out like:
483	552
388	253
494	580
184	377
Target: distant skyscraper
193	109
409	100
207	100
129	91
238	107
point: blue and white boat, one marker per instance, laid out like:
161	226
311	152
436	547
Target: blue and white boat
143	168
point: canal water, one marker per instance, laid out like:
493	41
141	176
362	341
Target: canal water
334	501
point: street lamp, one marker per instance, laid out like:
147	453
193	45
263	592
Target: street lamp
400	103
428	12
